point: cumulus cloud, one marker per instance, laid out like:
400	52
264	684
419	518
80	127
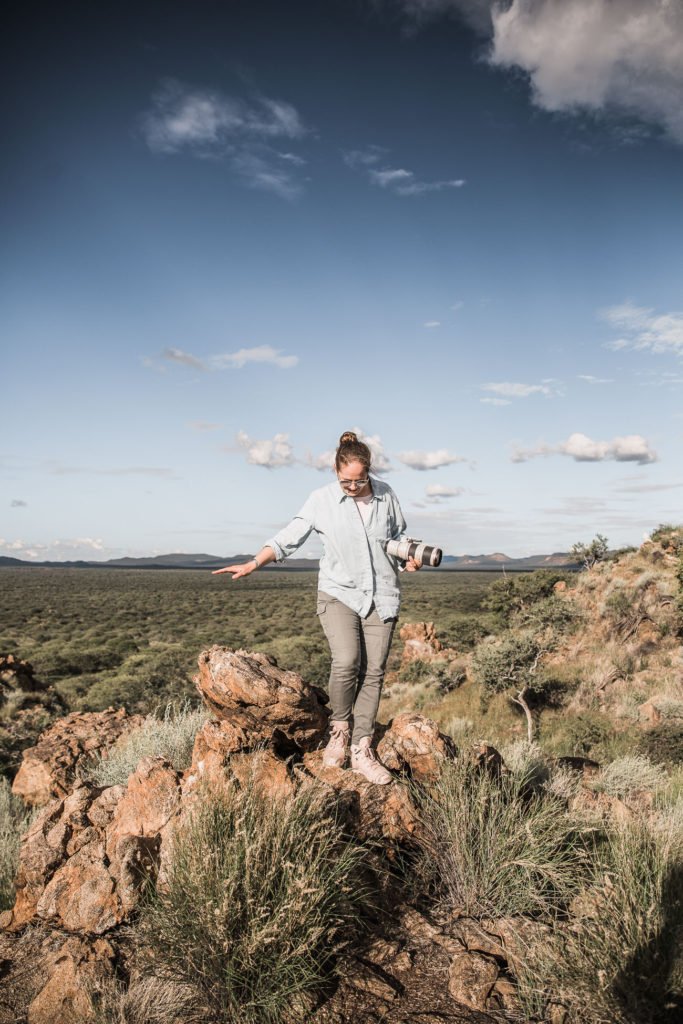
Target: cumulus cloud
631	448
381	463
259	354
271	454
56	550
429	460
603	56
510	389
18	503
210	124
642	328
435	494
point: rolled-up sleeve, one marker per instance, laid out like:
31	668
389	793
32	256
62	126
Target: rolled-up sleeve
290	538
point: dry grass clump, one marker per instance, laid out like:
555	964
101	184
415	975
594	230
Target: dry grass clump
259	894
489	849
631	774
620	962
171	736
14	820
526	760
146	1000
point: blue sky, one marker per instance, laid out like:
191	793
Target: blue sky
232	231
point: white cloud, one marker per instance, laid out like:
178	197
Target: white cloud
429	460
364	157
437	493
603	56
432	323
631	448
404	183
57	550
644	329
259	354
176	355
511	389
597	55
210	124
595	380
496	401
271	454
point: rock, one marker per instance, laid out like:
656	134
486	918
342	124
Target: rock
372	812
560	586
476	939
72	970
85	859
49	768
420	642
487	758
258	699
585	766
17	674
471	978
649	714
415	742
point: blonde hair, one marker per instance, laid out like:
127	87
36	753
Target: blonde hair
352	450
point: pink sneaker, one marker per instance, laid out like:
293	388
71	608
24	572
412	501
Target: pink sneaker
364	760
337	749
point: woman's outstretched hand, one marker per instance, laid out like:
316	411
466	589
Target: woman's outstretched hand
243	569
412	565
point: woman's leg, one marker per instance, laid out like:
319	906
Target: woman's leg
342	627
376	641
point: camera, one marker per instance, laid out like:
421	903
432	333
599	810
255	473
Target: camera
409	548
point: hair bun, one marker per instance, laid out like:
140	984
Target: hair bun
348	437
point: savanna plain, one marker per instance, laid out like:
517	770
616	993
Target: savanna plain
576	680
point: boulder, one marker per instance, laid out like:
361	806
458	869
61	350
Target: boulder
415	743
257	699
384	813
84	860
471	978
49	768
73	971
420	642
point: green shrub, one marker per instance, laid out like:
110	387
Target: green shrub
489	849
171	736
516	593
14	820
258	896
441	674
663	744
590	554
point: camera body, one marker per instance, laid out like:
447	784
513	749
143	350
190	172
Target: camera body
409	548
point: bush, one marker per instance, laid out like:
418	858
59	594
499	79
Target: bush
171	737
491	850
663	744
629	774
147	1000
258	896
617	964
589	554
14	820
516	593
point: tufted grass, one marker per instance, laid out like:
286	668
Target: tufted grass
260	895
171	736
490	849
14	820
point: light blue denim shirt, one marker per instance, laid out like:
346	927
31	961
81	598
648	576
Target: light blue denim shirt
354	568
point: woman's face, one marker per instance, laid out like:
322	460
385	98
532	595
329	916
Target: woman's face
354	479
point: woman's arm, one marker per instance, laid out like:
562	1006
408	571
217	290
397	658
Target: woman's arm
265	555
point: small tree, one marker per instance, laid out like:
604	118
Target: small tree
589	554
510	663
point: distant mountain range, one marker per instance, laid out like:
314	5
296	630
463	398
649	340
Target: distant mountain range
481	563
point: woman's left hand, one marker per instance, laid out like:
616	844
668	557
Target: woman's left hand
412	565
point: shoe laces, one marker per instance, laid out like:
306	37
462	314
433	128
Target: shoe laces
338	731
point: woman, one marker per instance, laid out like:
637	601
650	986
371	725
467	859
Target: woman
358	596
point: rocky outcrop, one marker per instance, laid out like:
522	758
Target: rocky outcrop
415	743
258	699
48	769
84	860
420	642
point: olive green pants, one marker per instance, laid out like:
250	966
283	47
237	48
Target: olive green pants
359	649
